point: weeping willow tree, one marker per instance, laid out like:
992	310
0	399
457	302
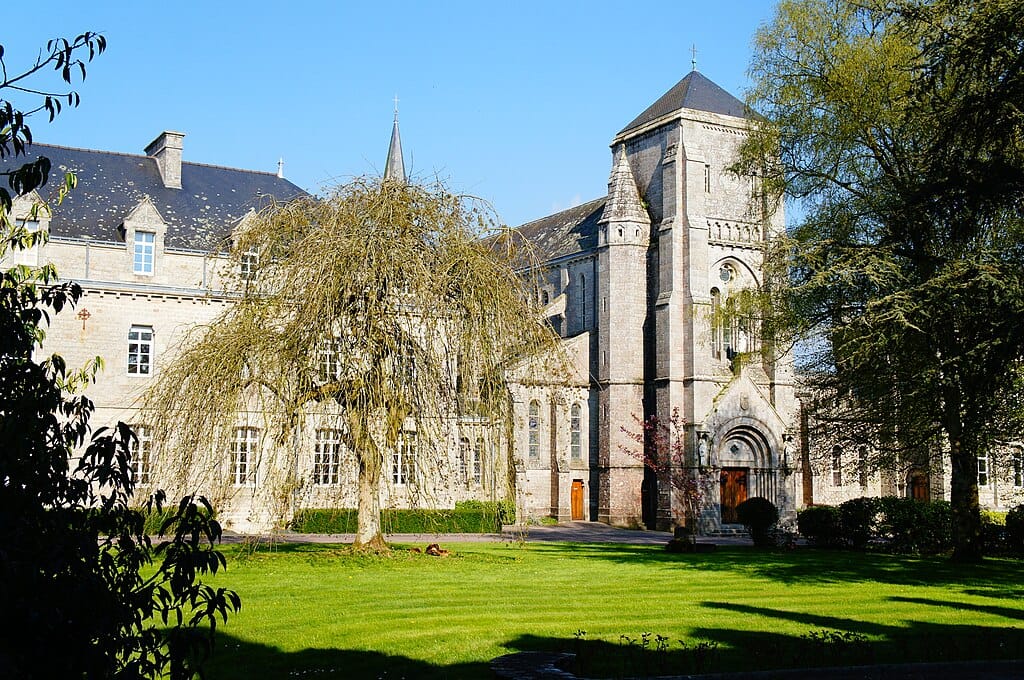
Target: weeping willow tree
384	311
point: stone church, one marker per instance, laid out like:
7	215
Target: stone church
635	283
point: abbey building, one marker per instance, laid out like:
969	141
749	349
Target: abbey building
636	284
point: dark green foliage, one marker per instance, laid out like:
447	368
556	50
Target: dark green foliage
857	520
469	517
1015	527
759	515
83	591
819	524
910	526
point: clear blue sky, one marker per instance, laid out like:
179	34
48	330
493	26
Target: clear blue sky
515	102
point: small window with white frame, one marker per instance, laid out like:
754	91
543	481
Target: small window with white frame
403	460
244	450
983	469
143	253
327	458
140	350
27	256
249	264
837	466
140	451
575	433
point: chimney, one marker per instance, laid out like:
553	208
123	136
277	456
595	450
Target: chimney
166	150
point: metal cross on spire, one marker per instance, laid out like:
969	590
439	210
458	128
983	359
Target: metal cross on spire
396	107
693	54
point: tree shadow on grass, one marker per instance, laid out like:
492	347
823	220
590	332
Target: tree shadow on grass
807	565
237	659
829	641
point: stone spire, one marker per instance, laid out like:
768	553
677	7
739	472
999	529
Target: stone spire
623	203
395	168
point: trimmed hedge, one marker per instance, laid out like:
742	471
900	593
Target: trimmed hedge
911	526
1015	527
819	524
469	517
857	521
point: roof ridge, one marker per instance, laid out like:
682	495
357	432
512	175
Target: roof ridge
142	155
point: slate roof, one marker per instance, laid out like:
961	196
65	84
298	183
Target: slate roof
198	216
692	92
565	233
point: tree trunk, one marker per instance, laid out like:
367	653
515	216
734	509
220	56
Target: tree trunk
368	533
963	497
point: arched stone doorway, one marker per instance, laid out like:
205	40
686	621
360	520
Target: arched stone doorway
746	468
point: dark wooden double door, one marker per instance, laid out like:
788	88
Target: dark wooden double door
732	492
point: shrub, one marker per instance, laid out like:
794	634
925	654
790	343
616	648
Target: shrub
857	518
759	515
819	524
1015	527
912	526
471	517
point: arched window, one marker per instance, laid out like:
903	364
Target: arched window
716	323
862	466
544	298
837	466
534	431
583	301
575	441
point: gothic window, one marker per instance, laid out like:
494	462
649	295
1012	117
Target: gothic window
142	256
837	466
983	470
140	350
141	455
327	458
862	466
1018	468
583	301
575	442
533	428
403	460
707	179
244	447
716	323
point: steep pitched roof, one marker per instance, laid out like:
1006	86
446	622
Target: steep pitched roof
395	168
199	216
565	233
692	92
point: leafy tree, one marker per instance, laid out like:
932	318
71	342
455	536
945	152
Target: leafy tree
379	312
74	558
898	125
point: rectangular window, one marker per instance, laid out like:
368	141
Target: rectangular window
140	350
141	455
403	460
707	179
533	428
1018	468
837	466
862	466
142	260
327	458
983	470
464	459
329	360
478	462
27	256
244	449
249	265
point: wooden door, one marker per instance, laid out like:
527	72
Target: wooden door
733	492
919	486
576	497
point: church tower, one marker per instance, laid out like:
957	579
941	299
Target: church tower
622	240
394	169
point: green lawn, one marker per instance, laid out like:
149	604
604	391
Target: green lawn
317	611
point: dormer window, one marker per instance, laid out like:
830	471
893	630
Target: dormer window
249	264
142	258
